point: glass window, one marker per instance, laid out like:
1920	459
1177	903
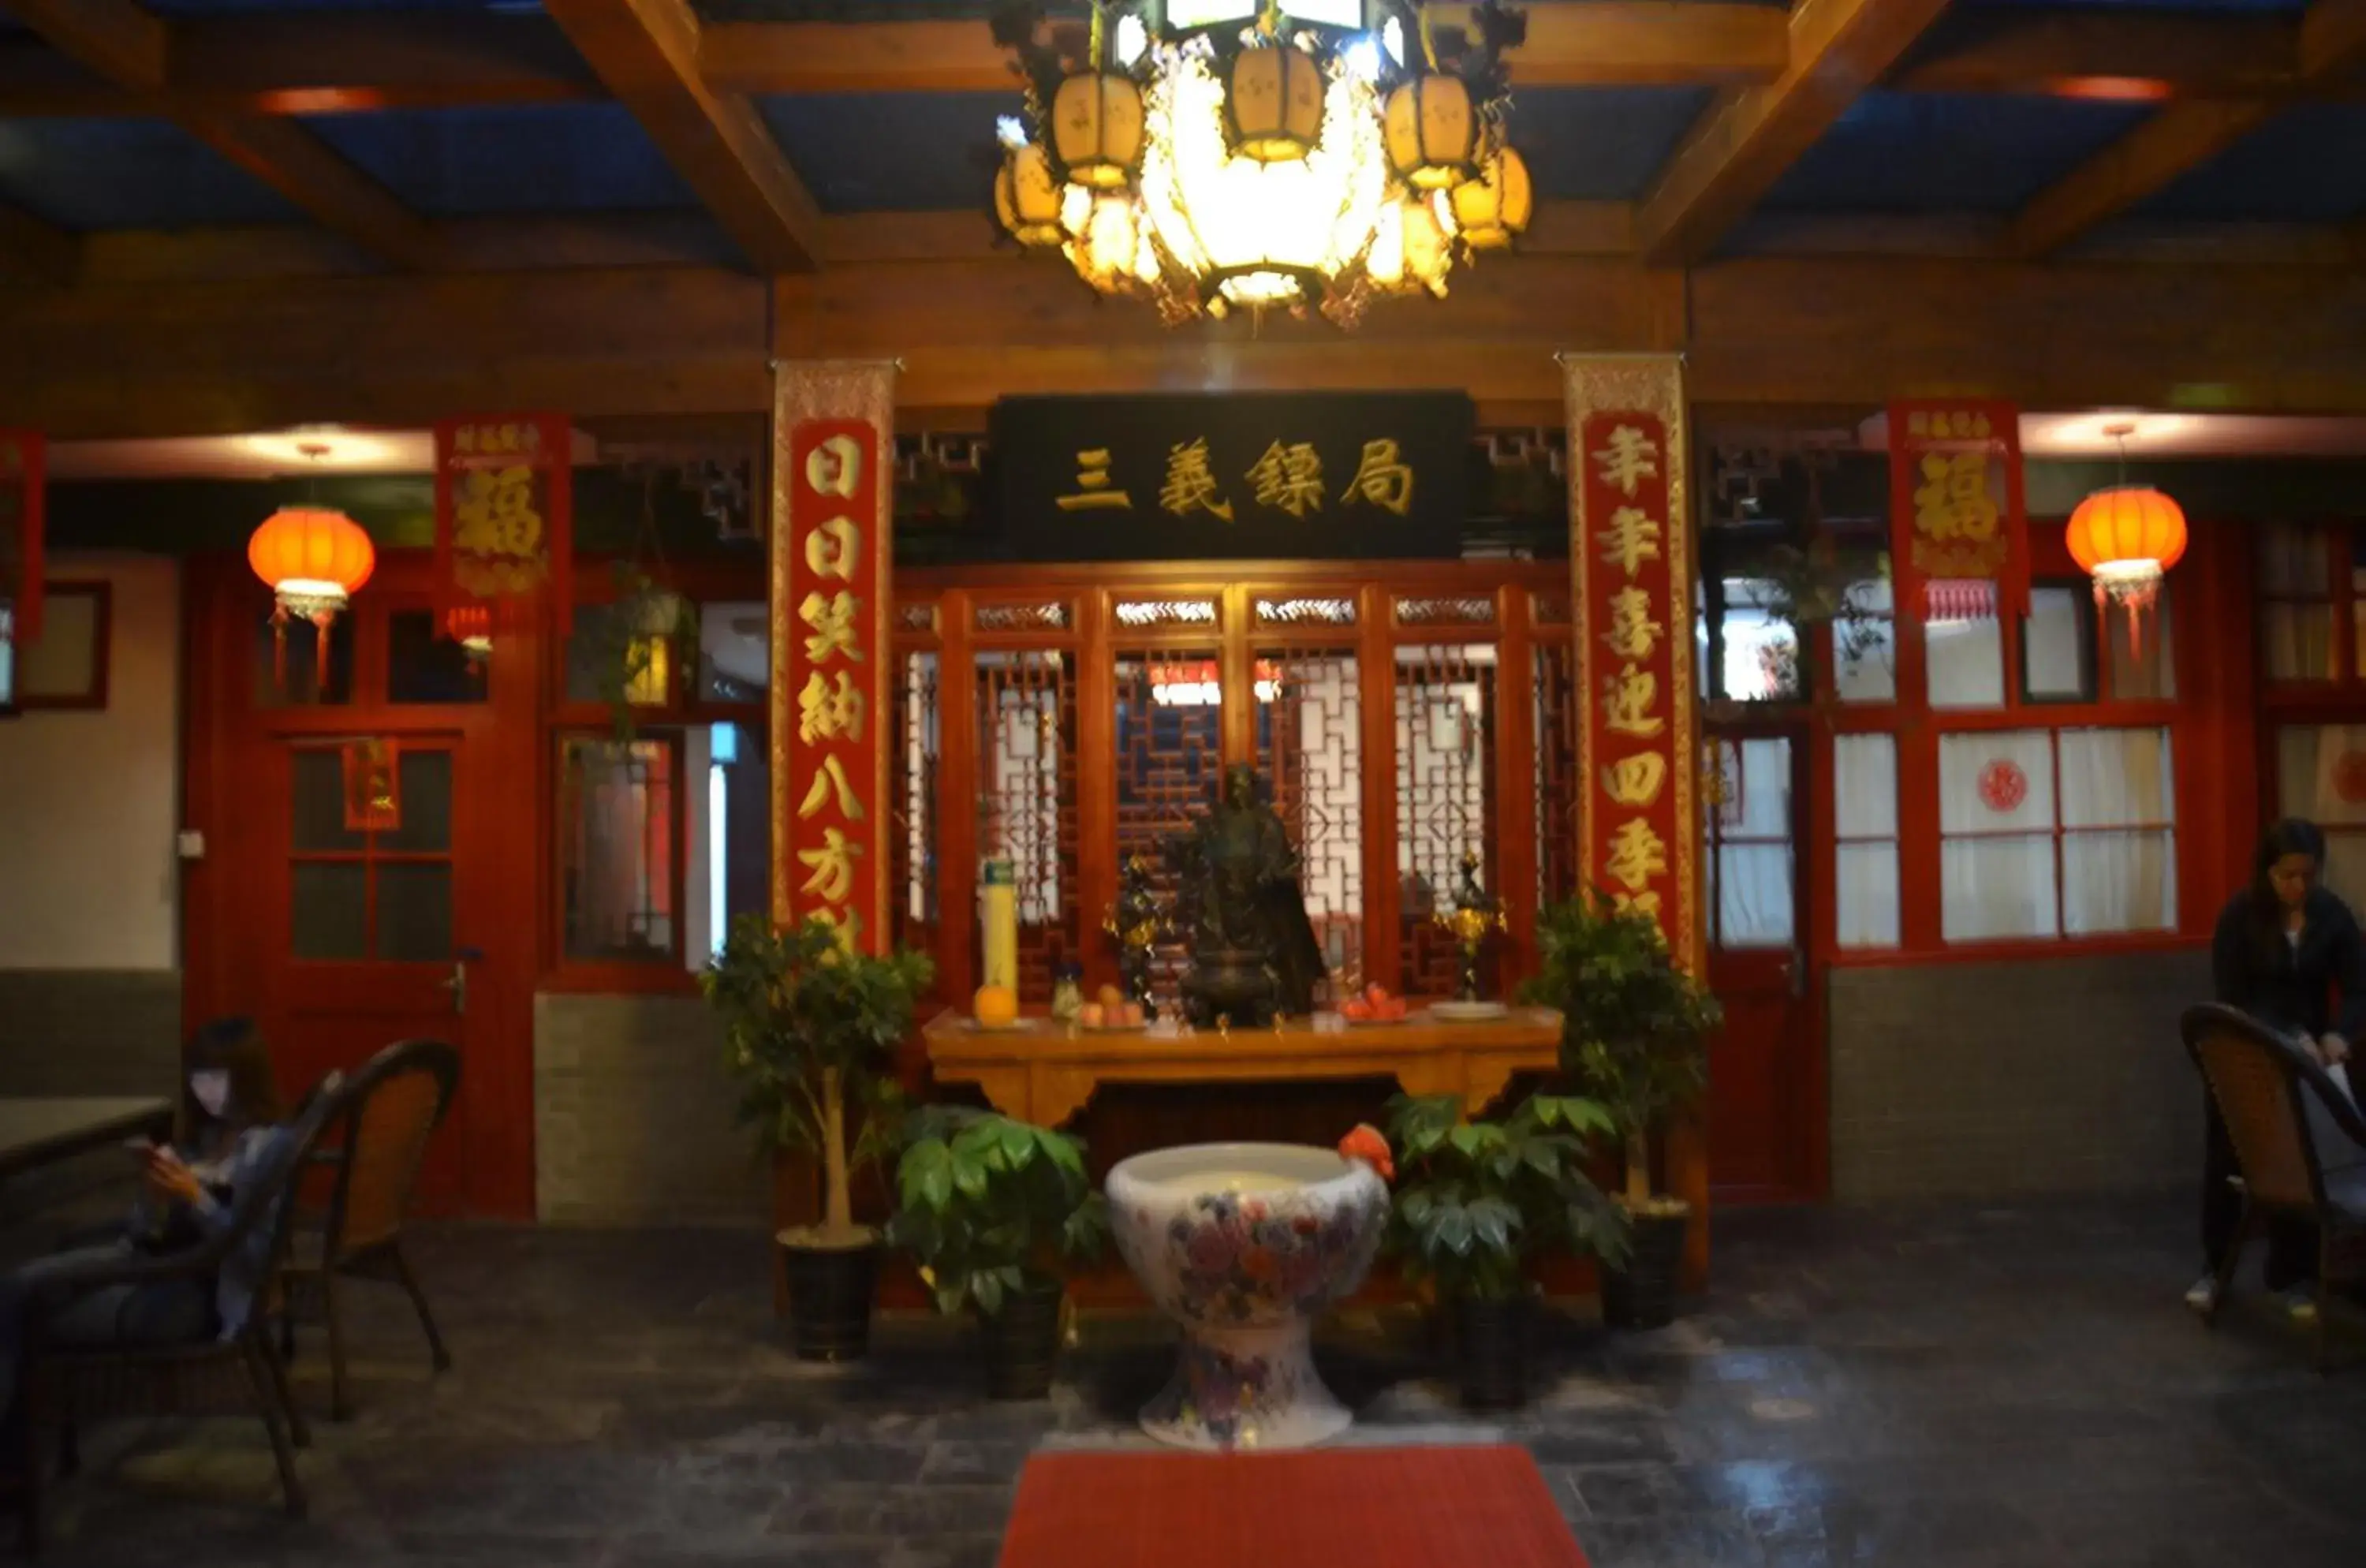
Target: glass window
619	815
1759	648
2321	776
734	653
1750	834
1965	663
619	652
2143	671
1864	643
287	663
2294	589
2044	833
1864	808
2057	645
423	665
729	829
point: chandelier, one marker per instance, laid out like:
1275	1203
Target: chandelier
1220	155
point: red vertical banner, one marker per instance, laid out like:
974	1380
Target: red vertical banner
1630	551
505	516
23	454
832	719
1957	510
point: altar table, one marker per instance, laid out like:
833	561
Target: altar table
1044	1072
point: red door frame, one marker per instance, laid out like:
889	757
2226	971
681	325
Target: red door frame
228	754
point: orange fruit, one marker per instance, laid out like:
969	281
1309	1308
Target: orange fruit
995	1006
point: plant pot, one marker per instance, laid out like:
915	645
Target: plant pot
1642	1293
831	1291
1023	1342
1490	1340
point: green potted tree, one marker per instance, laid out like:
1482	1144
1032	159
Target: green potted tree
1634	1038
991	1208
1478	1203
810	1031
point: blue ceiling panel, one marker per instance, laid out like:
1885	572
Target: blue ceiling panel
1601	143
127	173
236	7
1929	153
893	152
2306	164
527	158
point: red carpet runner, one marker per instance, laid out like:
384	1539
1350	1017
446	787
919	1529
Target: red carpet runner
1432	1507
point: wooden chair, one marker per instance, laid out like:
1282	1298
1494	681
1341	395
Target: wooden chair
2260	1082
393	1106
60	1381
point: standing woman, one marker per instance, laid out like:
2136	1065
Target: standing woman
2285	946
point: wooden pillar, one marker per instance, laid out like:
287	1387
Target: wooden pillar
1631	553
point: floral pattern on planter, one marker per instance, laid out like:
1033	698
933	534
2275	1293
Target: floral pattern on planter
1246	1272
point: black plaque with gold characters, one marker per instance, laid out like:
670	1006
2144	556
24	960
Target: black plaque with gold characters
1258	475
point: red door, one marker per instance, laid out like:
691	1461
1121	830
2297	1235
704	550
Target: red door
1762	1119
374	915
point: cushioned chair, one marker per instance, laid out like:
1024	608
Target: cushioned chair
64	1383
2274	1100
394	1104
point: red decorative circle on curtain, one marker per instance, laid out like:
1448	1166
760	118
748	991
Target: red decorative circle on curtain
2003	786
2349	777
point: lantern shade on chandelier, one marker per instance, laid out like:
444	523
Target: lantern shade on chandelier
2126	538
1213	155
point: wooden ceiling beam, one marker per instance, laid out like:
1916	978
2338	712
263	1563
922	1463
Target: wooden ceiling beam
647	52
34	251
1746	140
2180	138
129	47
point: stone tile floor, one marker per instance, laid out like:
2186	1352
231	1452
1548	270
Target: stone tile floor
1950	1386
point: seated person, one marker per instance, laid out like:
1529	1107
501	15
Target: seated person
236	1134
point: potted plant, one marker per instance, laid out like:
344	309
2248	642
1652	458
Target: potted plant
990	1207
810	1031
1634	1038
1477	1202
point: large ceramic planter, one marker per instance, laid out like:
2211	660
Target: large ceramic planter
1244	1246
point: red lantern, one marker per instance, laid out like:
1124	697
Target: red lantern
2126	538
314	559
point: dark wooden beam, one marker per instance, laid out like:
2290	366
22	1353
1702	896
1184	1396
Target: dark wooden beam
1748	138
131	49
2182	137
33	251
647	52
2099	53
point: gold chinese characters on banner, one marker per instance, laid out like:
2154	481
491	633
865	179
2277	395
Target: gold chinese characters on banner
505	514
1629	551
1955	497
830	654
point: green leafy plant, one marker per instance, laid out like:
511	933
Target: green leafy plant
1477	1201
990	1206
810	1031
1635	1026
627	645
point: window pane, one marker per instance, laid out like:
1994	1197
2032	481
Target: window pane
1965	663
1762	651
1753	895
424	666
1997	783
317	807
1864	645
298	654
2297	641
2118	882
1996	888
2116	778
2345	866
1867	910
610	659
424	782
734	653
2147	672
329	909
618	879
2321	773
1757	776
414	911
2293	562
1864	770
2057	645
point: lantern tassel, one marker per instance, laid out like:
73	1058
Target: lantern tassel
279	650
321	659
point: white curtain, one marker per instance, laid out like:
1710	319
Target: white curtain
2119	849
1965	663
1865	652
2295	640
1996	823
1754	904
2310	763
1864	771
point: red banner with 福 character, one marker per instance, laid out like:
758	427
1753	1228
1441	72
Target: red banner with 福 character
1630	549
23	454
1957	509
831	659
504	519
